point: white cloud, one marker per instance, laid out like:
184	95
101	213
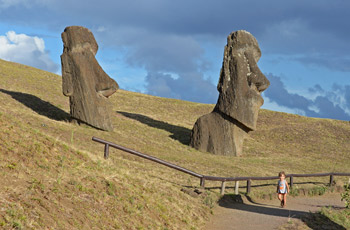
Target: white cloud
334	104
101	29
9	3
272	105
26	50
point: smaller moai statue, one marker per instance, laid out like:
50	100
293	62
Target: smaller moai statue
84	81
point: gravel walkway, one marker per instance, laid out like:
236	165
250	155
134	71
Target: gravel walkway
267	214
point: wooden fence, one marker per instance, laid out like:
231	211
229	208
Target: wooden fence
204	178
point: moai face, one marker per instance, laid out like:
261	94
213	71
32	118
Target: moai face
241	81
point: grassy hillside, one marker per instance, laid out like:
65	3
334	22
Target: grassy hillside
53	175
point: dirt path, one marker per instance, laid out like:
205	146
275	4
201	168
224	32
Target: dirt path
266	214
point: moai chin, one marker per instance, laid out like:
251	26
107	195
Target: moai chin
84	81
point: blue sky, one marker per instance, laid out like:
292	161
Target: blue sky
175	48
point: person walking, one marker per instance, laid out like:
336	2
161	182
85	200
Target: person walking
282	189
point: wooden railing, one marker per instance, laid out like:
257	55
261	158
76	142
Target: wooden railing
203	178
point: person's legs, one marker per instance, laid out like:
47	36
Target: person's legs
280	197
284	199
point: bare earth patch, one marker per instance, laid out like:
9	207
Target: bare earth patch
267	214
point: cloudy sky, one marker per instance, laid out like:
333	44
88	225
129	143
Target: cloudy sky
175	48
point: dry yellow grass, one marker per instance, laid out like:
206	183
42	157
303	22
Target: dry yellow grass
52	174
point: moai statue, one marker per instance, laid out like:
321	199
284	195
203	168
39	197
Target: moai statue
236	113
84	81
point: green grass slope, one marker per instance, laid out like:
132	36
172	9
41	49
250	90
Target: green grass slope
53	176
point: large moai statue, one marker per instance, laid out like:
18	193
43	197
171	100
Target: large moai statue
223	130
84	81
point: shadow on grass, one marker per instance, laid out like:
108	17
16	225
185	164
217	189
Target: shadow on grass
320	221
312	220
39	106
179	133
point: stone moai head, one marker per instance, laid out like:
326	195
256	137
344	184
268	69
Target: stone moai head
83	79
77	39
241	80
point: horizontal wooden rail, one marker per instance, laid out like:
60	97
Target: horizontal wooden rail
110	144
203	178
214	178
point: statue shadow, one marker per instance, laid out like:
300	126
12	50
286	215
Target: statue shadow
179	133
310	219
39	106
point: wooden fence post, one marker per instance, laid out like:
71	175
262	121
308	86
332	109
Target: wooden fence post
202	182
331	180
236	187
291	181
106	151
249	182
223	185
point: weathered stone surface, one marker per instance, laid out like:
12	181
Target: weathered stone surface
218	134
241	80
83	79
236	112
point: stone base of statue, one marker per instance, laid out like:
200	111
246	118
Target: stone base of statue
218	134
